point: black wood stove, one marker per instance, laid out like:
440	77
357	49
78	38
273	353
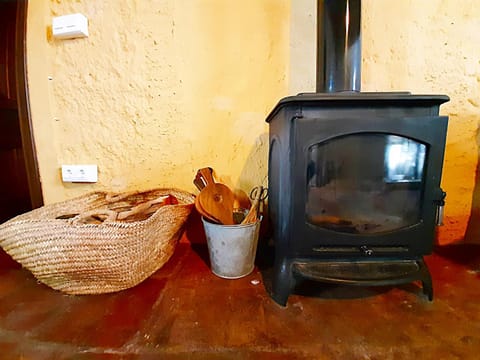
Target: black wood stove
354	178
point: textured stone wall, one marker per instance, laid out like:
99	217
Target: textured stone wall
164	87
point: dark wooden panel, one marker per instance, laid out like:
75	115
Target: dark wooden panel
28	142
20	188
14	194
7	49
10	137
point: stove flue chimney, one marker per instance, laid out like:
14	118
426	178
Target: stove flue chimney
339	54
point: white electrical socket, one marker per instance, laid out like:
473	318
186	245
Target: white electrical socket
80	173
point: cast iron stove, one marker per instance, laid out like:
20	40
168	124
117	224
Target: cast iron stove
354	178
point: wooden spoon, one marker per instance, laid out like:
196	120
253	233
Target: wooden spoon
217	200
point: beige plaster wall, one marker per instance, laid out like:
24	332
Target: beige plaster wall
164	87
158	90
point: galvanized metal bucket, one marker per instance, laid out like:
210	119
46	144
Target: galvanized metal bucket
232	248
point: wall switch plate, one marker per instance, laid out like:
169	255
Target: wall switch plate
80	173
70	26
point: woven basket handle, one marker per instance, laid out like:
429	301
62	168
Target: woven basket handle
109	215
146	208
101	215
113	197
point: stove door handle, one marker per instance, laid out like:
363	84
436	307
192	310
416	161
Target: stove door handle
440	208
366	250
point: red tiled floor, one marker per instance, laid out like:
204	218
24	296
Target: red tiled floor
184	311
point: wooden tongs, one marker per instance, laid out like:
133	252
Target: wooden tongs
258	195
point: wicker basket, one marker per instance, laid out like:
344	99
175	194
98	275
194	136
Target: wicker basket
68	253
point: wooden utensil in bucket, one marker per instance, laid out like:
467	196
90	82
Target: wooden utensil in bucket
216	199
202	178
202	212
258	194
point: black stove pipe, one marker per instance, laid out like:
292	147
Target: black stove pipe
339	49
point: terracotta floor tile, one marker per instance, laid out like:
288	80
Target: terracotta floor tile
184	311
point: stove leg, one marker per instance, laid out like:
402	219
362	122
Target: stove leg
428	289
283	282
426	279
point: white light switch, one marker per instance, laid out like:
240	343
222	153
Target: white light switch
69	26
80	173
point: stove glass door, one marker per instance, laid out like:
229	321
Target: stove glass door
365	183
